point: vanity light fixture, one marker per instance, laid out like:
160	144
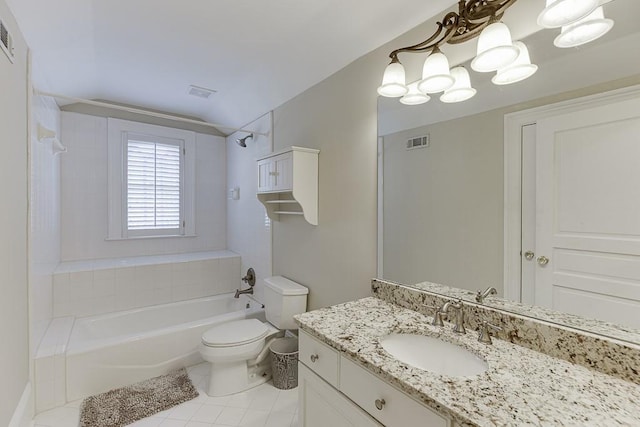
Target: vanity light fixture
414	96
581	20
495	48
461	89
587	29
436	76
521	69
393	80
563	12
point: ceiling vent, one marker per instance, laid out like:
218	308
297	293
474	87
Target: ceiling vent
6	41
418	142
200	92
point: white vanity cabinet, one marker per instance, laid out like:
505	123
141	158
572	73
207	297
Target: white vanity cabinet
334	391
288	183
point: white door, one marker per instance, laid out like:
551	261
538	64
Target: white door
587	251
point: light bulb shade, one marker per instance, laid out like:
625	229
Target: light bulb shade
589	28
461	89
563	12
435	74
414	96
521	68
393	81
495	49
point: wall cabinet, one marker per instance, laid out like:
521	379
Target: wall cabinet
338	392
288	183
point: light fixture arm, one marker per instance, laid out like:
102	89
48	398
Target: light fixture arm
472	17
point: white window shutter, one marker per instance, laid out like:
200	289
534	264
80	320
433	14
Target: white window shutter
154	174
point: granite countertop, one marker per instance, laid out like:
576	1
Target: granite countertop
521	386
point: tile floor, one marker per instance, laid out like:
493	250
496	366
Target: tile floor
264	406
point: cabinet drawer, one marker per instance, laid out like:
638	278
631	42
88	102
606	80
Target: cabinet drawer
398	409
321	358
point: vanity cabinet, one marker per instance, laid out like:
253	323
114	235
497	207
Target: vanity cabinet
322	405
288	183
336	391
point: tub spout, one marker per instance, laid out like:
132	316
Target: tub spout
246	291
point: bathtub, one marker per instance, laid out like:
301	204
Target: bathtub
116	349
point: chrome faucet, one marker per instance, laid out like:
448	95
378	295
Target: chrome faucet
480	296
459	320
250	279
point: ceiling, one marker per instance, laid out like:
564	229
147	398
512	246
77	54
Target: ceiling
255	54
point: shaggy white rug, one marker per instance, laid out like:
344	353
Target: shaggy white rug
126	405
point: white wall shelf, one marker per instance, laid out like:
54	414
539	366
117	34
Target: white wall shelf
289	178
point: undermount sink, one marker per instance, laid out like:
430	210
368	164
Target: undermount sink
433	354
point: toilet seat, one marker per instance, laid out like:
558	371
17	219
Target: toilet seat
235	333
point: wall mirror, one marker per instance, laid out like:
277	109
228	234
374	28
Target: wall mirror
442	202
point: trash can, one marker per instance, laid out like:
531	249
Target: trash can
284	363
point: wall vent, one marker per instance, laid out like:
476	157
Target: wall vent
418	142
6	41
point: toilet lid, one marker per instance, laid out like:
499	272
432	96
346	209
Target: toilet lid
235	333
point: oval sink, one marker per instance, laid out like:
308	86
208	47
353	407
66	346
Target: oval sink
433	354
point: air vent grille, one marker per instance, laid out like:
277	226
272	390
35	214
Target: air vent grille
418	142
6	42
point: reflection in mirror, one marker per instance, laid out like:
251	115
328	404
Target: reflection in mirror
443	182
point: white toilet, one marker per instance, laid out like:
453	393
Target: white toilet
239	350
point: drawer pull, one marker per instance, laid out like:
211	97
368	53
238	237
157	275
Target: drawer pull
314	358
379	404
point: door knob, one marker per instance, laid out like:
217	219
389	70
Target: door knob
529	255
542	260
380	404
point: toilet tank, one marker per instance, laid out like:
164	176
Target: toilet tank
283	298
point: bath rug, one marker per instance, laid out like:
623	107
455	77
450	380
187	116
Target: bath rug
126	405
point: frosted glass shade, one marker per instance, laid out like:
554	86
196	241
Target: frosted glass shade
461	89
589	28
414	96
435	73
521	68
495	49
563	12
393	81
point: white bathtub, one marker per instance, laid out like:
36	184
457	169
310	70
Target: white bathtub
112	350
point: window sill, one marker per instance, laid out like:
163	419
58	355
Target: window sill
167	236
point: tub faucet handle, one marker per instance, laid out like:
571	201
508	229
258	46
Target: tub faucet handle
250	278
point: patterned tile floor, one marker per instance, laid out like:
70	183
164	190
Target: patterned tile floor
263	406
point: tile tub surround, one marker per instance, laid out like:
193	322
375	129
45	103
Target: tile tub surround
521	387
607	355
86	288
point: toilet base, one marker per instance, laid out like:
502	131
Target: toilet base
234	377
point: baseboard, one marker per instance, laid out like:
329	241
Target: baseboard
24	412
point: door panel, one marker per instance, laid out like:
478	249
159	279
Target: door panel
588	212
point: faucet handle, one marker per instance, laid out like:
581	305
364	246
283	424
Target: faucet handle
484	334
437	314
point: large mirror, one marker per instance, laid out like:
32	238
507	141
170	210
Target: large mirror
442	202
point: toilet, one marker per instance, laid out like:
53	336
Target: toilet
238	351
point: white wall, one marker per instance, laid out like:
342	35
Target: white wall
44	216
248	227
84	196
337	258
14	330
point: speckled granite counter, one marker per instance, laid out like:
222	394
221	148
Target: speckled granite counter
521	387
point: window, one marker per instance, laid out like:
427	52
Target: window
154	179
151	180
